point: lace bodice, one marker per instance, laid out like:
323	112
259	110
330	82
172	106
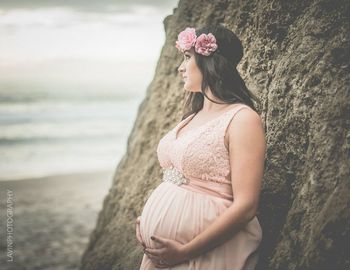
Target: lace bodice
200	152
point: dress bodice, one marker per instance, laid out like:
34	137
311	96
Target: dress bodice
199	153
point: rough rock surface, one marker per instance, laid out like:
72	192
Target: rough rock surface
297	61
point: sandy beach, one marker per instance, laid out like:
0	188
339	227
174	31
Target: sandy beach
49	219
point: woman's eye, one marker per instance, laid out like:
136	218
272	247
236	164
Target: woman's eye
187	56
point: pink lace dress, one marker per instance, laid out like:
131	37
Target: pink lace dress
182	211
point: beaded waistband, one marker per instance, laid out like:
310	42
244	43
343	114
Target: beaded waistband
221	190
174	176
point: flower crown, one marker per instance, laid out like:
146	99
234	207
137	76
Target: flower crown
204	44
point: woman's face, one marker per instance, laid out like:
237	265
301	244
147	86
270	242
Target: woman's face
190	72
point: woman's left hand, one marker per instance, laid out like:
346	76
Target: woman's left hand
169	253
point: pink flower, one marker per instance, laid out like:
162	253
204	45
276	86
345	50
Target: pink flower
206	44
186	39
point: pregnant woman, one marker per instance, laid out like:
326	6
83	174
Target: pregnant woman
203	214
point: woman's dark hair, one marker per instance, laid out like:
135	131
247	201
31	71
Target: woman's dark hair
220	73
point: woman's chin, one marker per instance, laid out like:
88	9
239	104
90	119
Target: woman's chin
187	88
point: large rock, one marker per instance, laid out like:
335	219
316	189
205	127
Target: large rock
297	61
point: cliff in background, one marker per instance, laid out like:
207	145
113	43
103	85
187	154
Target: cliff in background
297	61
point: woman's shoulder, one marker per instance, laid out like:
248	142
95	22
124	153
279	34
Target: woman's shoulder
245	111
187	115
245	121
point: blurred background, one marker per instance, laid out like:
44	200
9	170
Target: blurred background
72	75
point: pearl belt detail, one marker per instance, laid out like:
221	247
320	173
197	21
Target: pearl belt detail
174	176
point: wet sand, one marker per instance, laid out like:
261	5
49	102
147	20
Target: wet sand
52	219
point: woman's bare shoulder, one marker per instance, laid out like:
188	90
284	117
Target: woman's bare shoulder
246	125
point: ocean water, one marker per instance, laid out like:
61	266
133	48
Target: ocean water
71	80
43	134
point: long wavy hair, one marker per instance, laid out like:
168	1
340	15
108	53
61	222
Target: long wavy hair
220	72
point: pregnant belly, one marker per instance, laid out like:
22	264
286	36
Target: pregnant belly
177	213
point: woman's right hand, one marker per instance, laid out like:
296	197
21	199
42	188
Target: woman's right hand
138	234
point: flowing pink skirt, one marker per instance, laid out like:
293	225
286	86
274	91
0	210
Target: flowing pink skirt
179	213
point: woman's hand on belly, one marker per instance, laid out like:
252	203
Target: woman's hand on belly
169	253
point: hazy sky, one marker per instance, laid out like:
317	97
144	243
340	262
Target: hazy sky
43	29
87	5
46	36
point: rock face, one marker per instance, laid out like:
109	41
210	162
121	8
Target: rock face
297	61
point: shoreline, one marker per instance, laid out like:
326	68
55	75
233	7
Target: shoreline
50	176
53	217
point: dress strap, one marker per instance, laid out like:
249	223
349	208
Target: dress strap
228	118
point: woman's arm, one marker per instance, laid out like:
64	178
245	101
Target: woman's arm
247	154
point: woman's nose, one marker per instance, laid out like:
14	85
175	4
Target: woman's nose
181	68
